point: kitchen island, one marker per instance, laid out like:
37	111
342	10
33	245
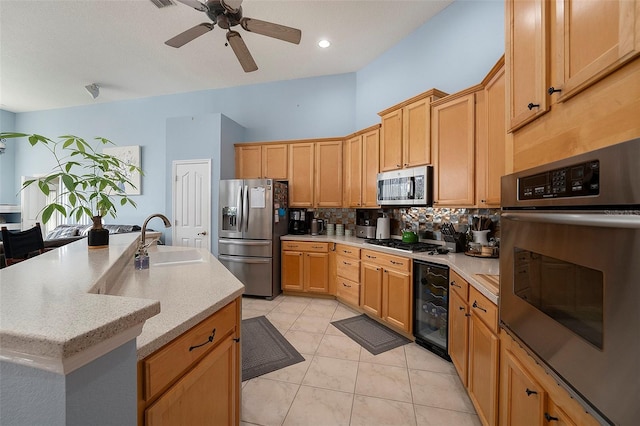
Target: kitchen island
75	322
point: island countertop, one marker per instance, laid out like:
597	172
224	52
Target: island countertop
59	306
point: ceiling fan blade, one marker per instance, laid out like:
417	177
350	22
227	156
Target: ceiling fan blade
269	29
232	6
241	51
195	4
191	34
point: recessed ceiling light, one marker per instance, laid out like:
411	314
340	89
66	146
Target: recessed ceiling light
324	43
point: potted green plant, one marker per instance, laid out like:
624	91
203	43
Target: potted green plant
92	182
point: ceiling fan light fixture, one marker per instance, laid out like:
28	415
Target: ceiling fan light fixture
324	43
93	89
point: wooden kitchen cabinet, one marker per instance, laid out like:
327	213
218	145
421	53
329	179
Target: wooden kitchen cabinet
305	267
491	135
266	161
553	52
248	162
474	346
405	133
328	174
361	165
454	149
348	274
530	396
386	288
187	382
301	172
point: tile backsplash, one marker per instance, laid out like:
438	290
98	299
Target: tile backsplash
425	221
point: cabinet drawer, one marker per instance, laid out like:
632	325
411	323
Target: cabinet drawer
305	246
459	285
164	366
484	309
349	291
348	268
387	260
348	251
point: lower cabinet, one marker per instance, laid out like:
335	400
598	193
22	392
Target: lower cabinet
529	396
386	289
305	267
474	346
348	274
186	382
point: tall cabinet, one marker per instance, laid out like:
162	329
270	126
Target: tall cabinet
360	168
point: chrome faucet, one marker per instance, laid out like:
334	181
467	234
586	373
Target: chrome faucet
141	259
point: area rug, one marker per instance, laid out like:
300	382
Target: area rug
370	334
264	349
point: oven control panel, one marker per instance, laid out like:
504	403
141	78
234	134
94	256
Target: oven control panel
578	180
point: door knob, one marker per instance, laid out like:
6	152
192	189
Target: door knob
202	233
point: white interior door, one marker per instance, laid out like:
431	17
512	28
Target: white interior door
192	203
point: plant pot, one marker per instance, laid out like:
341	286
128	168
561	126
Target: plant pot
98	236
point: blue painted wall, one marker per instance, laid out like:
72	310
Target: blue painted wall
452	51
8	188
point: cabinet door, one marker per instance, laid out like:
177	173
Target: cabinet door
292	270
454	152
316	272
353	172
416	133
556	416
391	141
585	55
370	167
522	395
371	289
328	174
248	162
527	60
484	353
491	146
205	395
301	163
274	161
459	334
396	299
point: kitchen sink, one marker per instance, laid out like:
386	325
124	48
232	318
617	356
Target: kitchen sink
174	257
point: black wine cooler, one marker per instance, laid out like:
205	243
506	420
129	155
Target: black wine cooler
431	290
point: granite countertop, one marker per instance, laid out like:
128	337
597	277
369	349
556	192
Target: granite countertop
479	272
68	306
188	293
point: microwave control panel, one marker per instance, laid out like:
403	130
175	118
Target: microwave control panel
578	180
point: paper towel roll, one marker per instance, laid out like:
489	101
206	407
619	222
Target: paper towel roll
383	228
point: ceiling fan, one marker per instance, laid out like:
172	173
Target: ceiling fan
227	14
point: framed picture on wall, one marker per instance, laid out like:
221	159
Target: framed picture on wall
130	155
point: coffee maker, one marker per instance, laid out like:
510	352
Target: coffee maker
297	223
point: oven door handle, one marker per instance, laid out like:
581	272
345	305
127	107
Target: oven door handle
615	219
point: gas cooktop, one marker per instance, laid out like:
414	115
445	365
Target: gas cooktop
399	245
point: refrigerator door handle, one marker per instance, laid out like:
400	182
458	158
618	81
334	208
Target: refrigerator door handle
241	259
245	242
239	209
245	208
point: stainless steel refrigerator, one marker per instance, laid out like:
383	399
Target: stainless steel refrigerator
253	217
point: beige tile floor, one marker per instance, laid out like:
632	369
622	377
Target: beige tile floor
341	383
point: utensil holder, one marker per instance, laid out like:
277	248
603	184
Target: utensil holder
481	237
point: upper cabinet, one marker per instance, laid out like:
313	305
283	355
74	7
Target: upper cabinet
328	174
361	159
262	161
556	50
491	137
405	135
301	163
454	122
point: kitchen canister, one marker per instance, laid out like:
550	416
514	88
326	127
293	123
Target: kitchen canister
331	228
481	237
348	232
340	229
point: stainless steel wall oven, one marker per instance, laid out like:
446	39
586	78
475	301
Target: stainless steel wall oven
570	275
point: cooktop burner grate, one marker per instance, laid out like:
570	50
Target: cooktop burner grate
399	245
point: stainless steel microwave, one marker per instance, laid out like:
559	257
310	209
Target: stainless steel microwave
406	187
